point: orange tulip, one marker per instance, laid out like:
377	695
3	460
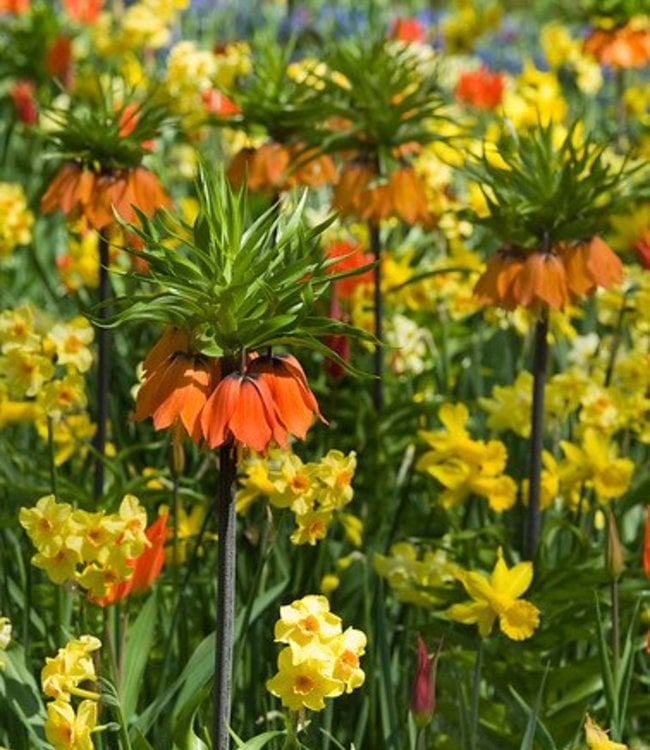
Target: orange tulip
83	11
351	258
242	408
146	567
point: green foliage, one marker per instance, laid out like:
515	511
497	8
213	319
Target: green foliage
381	95
552	187
235	285
91	129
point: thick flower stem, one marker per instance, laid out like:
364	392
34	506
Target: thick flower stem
375	246
225	597
534	519
103	368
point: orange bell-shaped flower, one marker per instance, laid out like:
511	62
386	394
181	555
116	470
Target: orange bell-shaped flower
590	265
295	404
242	408
541	282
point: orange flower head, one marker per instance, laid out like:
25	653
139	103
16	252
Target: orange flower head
294	401
58	59
174	339
623	47
361	193
590	265
541	282
218	104
309	168
242	408
81	192
264	167
176	391
15	7
495	286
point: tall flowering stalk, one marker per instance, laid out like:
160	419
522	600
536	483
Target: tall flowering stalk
231	292
101	144
549	198
381	103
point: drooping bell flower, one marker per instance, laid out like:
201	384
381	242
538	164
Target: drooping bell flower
423	695
363	194
176	390
242	408
622	47
590	265
264	168
79	191
295	404
309	168
146	567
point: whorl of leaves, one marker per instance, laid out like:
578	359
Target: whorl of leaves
550	192
235	285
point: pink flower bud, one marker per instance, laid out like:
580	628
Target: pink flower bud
423	697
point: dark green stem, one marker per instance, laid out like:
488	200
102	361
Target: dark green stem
375	246
103	368
616	628
540	358
225	632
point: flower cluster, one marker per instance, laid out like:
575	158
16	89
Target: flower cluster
498	597
268	400
42	364
320	661
17	219
96	550
413	580
465	466
69	724
313	491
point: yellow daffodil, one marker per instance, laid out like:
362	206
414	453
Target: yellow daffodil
71	342
17	219
67	729
597	738
72	666
498	597
304	684
465	466
307	620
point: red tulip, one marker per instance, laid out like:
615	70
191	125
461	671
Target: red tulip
423	697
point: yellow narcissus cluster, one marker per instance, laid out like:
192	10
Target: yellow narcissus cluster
411	578
41	376
465	466
564	51
92	549
17	219
71	674
498	597
320	661
313	491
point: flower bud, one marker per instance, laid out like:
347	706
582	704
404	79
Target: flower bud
423	696
615	562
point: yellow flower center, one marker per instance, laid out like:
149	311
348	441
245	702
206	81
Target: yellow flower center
299	483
